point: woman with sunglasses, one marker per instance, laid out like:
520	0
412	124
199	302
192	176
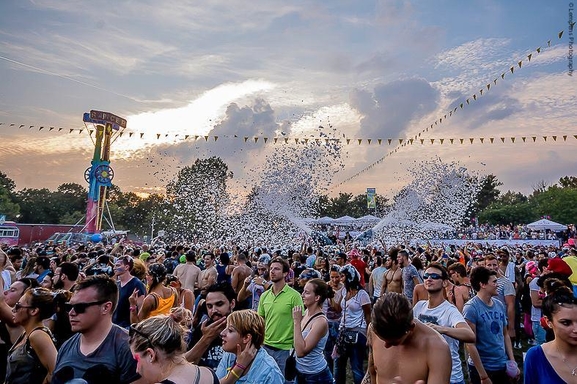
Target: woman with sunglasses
555	361
158	346
32	358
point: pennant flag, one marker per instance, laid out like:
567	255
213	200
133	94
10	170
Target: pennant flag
422	141
389	140
450	113
432	141
21	125
481	92
400	141
256	139
529	56
491	139
186	137
306	141
554	138
157	136
142	134
561	34
548	43
523	138
467	101
129	134
441	140
495	81
92	131
502	139
72	130
461	140
564	137
534	138
380	141
275	139
348	141
489	86
205	138
80	131
539	50
359	140
120	134
60	129
451	140
520	63
512	139
177	136
265	139
12	124
440	121
575	136
545	138
369	141
245	139
286	140
296	141
512	69
455	110
471	140
41	128
436	122
166	135
461	105
482	139
503	75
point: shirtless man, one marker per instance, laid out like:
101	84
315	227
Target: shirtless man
209	275
393	281
404	350
240	272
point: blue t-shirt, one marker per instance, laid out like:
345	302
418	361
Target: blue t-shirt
263	369
537	369
490	321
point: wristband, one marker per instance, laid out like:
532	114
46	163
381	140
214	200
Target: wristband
234	374
240	366
485	378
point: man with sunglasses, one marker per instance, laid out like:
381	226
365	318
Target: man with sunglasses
444	317
99	352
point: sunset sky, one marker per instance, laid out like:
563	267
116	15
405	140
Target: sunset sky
358	69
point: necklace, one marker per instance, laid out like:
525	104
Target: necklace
564	359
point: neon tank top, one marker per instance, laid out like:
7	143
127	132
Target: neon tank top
164	305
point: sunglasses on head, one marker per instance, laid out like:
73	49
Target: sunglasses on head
81	307
434	276
133	331
17	306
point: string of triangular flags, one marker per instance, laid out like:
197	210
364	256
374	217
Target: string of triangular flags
461	105
323	140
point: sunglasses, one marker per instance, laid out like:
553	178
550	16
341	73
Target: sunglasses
133	331
17	306
81	307
434	276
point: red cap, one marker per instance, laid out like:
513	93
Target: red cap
560	266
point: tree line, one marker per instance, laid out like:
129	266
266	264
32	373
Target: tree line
198	194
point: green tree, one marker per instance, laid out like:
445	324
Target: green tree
568	182
36	206
8	203
559	203
199	197
487	195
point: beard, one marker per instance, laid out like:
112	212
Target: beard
59	284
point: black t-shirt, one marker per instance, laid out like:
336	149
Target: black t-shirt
121	315
110	363
213	354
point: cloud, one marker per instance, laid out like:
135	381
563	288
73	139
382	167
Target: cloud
390	107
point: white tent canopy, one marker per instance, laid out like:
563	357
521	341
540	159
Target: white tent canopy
368	219
344	220
324	220
543	224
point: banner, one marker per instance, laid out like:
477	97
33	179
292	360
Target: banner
371	198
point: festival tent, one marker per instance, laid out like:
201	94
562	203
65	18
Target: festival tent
324	220
344	220
368	219
544	224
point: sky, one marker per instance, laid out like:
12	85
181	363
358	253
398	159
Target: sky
232	70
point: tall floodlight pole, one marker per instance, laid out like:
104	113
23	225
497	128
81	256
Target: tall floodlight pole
99	176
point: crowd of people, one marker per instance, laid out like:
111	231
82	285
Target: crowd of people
123	313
